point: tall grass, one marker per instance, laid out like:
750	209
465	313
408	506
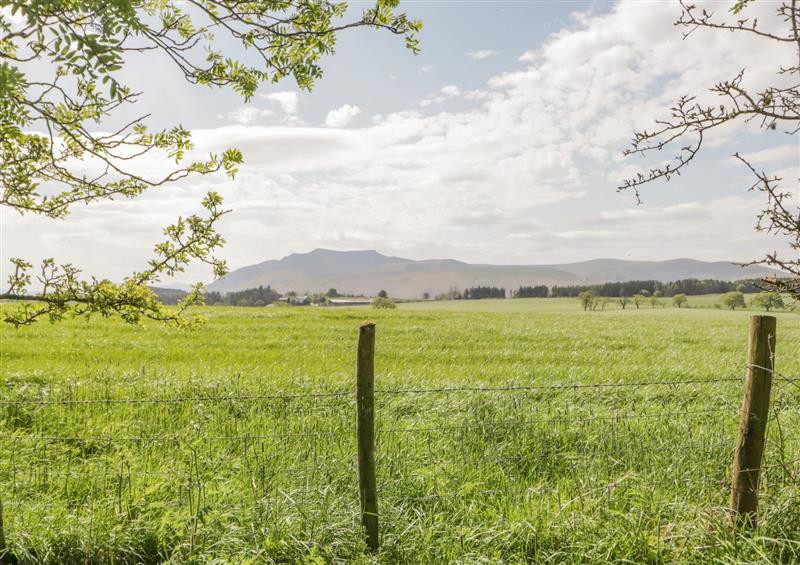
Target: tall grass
220	472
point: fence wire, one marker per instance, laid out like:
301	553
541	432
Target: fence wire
350	393
116	486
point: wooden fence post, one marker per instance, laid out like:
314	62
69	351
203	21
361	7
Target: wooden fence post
753	422
365	429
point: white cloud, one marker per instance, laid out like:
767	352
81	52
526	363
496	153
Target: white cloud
482	54
445	93
287	100
789	153
450	91
342	116
247	114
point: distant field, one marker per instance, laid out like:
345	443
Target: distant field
187	459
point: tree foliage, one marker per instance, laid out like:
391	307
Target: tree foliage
261	296
774	108
655	299
733	300
481	292
768	301
58	147
536	291
587	298
680	300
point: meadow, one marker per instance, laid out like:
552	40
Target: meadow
235	442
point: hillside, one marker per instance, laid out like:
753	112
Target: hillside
367	272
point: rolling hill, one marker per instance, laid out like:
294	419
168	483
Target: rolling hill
367	272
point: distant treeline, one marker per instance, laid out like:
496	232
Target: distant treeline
264	296
478	292
261	296
538	291
471	293
689	287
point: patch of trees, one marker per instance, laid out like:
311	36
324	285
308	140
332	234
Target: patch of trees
264	296
590	301
261	296
472	293
538	291
479	292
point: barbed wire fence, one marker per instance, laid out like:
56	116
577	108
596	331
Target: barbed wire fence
335	462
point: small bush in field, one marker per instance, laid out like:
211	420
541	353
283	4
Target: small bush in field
382	302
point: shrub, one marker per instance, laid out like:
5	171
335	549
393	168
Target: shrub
383	302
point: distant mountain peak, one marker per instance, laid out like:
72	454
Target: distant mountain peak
335	252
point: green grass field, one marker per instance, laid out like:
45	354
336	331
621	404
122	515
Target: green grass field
553	475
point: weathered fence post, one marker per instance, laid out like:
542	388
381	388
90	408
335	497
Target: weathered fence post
365	429
753	422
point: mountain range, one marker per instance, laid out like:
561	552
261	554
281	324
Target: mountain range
367	272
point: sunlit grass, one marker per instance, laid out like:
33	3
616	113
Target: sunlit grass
636	473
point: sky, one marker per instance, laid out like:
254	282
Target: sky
501	142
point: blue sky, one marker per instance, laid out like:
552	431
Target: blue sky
500	143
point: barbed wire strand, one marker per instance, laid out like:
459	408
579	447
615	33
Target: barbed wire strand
575	386
333	394
176	400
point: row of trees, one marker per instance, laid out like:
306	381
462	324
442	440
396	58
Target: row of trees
479	292
689	287
766	300
261	296
471	293
538	291
645	288
264	296
591	301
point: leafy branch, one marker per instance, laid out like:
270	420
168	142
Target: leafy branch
64	293
49	129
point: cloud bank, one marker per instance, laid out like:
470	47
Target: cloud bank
523	170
